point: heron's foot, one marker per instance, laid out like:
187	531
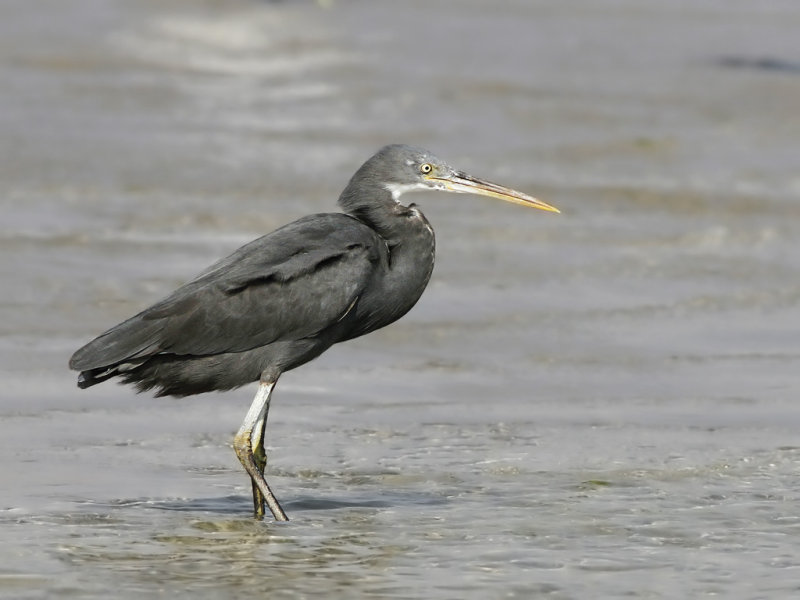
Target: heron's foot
261	492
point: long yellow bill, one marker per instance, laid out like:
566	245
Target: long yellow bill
461	182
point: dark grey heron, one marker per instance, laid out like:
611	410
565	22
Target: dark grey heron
284	298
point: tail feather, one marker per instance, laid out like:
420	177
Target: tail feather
91	377
94	376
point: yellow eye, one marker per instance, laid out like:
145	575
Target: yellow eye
425	168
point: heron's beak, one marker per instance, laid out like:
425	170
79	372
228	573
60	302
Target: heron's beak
461	182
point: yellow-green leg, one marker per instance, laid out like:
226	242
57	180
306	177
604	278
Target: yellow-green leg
249	446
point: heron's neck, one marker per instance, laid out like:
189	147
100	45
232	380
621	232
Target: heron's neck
408	255
374	205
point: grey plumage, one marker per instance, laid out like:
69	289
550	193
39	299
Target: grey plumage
276	302
213	332
286	297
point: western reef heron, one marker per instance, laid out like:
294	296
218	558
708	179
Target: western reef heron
284	298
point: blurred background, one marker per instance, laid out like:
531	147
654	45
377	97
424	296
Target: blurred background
608	391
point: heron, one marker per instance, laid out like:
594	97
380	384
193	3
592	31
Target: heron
286	297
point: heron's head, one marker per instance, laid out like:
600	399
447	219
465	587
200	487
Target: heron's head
399	169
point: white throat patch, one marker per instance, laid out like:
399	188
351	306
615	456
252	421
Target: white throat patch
398	189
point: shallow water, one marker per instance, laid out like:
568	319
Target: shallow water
596	404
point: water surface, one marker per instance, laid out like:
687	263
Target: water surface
596	404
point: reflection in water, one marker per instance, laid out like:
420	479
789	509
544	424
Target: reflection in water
241	555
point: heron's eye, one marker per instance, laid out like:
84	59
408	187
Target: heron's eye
425	168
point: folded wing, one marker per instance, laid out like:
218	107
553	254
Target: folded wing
290	284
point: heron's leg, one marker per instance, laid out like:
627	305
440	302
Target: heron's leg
244	443
260	457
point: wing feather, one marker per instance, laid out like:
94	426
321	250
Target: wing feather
290	284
